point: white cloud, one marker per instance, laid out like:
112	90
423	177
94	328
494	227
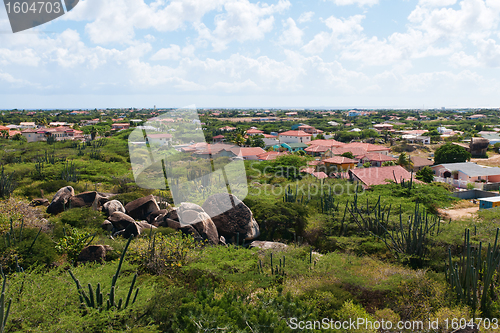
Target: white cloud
461	59
292	35
171	53
437	3
241	22
305	17
372	52
355	2
343	31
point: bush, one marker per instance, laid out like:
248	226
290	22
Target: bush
82	217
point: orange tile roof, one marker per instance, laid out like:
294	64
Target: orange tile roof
320	175
248	151
254	131
328	143
295	133
340	160
382	175
369	147
353	150
376	157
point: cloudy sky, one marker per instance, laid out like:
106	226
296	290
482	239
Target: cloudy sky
270	53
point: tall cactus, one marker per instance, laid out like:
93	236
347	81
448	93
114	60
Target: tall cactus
472	278
4	310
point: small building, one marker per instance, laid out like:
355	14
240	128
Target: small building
412	138
381	175
218	138
375	159
383	127
254	131
160	138
120	126
420	162
294	136
339	163
293	147
26	125
485	203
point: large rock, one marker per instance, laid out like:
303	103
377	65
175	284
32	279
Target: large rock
136	228
60	200
120	220
231	216
113	206
86	199
192	214
159	214
166	222
140	208
94	253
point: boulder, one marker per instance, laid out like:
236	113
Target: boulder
140	208
86	199
94	253
268	245
231	216
136	228
112	206
155	215
176	225
120	220
39	202
192	214
173	215
107	225
60	200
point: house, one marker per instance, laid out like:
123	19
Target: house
412	138
159	138
120	126
380	175
419	163
383	127
466	172
90	122
227	128
491	202
309	129
218	138
25	125
476	116
294	136
375	159
292	147
34	135
339	163
369	147
254	131
58	123
248	153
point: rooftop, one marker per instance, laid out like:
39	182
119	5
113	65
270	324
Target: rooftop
471	169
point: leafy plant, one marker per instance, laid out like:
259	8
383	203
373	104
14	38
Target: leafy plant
96	301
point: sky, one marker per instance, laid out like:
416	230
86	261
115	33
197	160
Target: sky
256	54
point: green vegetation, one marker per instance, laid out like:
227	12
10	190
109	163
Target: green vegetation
450	153
380	253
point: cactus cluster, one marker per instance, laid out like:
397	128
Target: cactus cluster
4	309
472	277
96	301
69	173
276	270
10	238
7	184
289	196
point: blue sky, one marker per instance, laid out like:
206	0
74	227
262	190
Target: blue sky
271	53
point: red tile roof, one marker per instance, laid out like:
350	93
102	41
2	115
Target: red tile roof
218	137
269	136
248	151
316	149
309	170
295	133
329	143
376	157
340	160
381	175
353	150
369	147
320	175
271	155
420	161
254	131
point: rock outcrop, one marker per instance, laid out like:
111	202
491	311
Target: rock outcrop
60	200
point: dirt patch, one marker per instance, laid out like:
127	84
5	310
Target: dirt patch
457	214
493	161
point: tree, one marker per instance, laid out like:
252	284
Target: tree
319	136
388	163
257	141
404	160
348	154
426	175
451	153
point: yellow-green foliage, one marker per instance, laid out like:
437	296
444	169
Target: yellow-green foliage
351	311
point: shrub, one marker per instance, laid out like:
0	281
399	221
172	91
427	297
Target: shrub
82	217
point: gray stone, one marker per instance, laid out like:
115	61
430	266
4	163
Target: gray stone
94	253
60	200
140	208
113	206
231	217
120	220
137	228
